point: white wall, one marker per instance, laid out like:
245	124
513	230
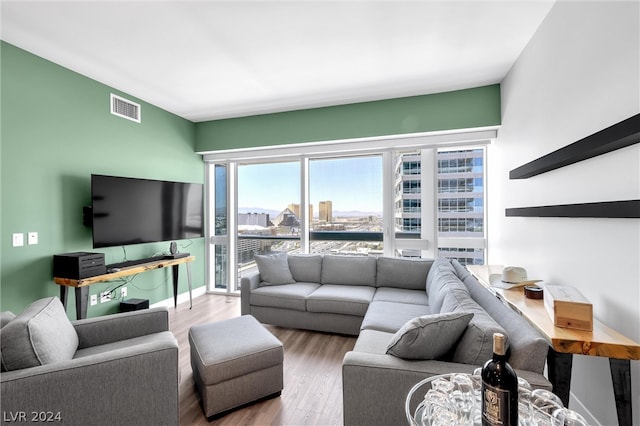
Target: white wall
579	74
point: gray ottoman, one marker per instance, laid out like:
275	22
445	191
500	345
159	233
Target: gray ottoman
235	362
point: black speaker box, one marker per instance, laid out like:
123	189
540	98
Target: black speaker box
78	265
134	305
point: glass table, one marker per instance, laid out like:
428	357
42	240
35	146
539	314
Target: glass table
454	399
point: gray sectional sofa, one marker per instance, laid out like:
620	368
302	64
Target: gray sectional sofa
413	319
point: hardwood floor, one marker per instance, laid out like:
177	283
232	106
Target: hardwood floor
312	393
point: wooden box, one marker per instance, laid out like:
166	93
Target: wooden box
568	308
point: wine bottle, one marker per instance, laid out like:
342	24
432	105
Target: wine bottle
499	388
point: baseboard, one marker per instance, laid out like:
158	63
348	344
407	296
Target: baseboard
182	297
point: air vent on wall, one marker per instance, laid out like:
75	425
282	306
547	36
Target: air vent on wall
125	108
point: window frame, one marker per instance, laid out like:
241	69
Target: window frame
427	143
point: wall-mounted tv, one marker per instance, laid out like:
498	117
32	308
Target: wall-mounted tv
128	210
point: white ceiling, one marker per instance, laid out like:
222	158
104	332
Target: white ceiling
206	60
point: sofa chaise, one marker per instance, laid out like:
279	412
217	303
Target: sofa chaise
413	318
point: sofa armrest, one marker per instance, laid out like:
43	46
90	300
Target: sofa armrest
375	386
248	283
130	385
116	327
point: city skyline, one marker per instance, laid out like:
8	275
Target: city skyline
336	213
352	185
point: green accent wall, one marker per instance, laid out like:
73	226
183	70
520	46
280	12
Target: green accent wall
461	109
56	131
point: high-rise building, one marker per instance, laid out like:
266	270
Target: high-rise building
260	219
325	211
460	197
408	194
295	208
461	203
461	193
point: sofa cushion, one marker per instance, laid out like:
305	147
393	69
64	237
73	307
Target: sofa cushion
274	269
429	336
402	273
476	344
5	318
349	270
286	296
443	280
306	267
401	295
391	316
41	334
373	342
438	264
340	299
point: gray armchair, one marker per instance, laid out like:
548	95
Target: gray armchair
123	368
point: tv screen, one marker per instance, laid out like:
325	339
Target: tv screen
133	211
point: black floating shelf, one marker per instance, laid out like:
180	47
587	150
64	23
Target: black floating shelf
612	209
618	136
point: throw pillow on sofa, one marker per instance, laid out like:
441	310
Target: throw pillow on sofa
429	336
41	334
305	268
349	270
402	273
274	269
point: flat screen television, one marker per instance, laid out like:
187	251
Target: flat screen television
128	210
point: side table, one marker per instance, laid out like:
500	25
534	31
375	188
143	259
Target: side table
564	342
81	286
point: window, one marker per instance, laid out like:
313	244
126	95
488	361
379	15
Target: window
461	218
411	167
460	201
466	256
408	198
219	183
268	215
411	224
347	193
411	206
421	202
411	187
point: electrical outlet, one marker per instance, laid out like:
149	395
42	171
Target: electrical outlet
105	296
32	238
123	292
94	299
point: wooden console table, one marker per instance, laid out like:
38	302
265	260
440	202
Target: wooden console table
82	285
564	342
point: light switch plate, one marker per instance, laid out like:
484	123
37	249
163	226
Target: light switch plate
18	239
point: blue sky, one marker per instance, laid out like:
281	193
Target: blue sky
353	183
